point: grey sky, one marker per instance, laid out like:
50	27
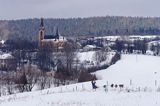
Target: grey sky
17	9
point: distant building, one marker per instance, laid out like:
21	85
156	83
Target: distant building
7	62
91	48
2	44
54	40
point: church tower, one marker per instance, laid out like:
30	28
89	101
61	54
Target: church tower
41	33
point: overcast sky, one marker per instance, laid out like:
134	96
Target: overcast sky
18	9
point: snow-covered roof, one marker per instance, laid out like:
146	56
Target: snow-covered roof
2	41
90	46
149	52
154	42
6	56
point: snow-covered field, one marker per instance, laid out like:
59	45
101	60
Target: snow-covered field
137	69
88	99
113	38
140	75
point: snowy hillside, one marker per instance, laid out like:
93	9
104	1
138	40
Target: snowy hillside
140	75
139	69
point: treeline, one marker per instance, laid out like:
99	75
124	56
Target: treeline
93	26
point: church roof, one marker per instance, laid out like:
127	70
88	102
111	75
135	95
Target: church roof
51	37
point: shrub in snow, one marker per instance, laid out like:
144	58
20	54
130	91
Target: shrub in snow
85	76
158	89
116	57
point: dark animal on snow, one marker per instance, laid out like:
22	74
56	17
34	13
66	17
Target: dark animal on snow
112	85
116	85
121	85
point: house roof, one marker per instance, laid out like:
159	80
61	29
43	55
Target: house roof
6	56
2	41
90	46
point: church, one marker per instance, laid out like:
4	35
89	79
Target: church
54	40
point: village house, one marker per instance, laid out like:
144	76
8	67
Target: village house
7	62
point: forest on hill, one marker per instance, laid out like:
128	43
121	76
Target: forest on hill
92	26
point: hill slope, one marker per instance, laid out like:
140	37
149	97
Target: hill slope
140	69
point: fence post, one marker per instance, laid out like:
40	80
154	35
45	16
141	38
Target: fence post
130	82
139	89
76	88
155	82
82	87
61	89
48	92
106	89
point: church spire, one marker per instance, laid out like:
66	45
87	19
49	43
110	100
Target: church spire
57	33
41	32
42	23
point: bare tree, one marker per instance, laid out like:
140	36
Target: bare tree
69	53
97	57
21	82
45	55
42	80
32	77
49	80
9	83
